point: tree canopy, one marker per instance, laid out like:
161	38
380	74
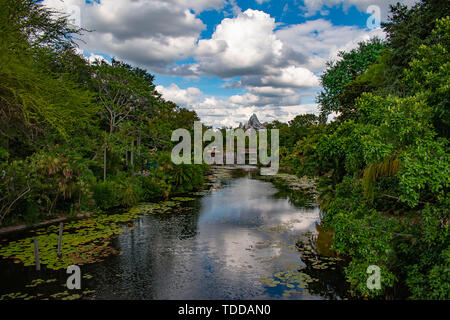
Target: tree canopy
74	134
383	162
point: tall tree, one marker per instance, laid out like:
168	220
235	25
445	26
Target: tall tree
343	71
124	93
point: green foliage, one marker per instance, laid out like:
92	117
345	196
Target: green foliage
104	195
340	73
168	179
386	168
153	188
130	192
425	173
409	28
66	124
429	74
33	98
434	284
383	164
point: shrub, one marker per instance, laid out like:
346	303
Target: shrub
104	195
152	189
129	191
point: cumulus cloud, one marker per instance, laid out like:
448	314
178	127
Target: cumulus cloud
96	58
321	41
292	76
150	33
241	45
272	92
268	103
247	46
261	100
250	47
274	65
312	7
182	97
141	19
218	115
200	5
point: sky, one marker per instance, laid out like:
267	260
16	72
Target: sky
228	59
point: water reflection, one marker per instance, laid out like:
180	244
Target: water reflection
218	250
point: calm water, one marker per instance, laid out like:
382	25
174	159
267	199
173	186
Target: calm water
221	248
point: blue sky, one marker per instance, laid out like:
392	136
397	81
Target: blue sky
285	13
228	59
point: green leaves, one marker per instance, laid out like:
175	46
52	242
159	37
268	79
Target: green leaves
60	116
429	74
386	159
338	74
425	172
84	241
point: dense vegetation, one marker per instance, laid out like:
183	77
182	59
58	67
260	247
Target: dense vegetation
73	135
383	162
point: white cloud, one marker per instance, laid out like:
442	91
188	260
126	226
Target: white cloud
95	57
150	33
272	92
247	46
201	5
270	104
219	115
241	45
321	41
275	66
182	97
312	7
292	76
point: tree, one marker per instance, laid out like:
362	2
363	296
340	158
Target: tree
122	91
409	28
389	200
35	100
429	73
340	73
56	109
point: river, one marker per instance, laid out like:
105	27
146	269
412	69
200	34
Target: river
246	240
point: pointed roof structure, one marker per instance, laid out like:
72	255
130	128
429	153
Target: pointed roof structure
254	123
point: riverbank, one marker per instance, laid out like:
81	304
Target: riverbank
87	235
213	181
244	240
24	226
294	183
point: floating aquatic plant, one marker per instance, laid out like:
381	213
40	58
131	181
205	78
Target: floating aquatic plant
84	241
183	199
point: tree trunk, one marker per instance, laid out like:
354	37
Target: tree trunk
132	154
132	158
104	163
139	143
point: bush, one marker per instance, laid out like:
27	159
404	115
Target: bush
104	195
153	189
129	191
186	178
